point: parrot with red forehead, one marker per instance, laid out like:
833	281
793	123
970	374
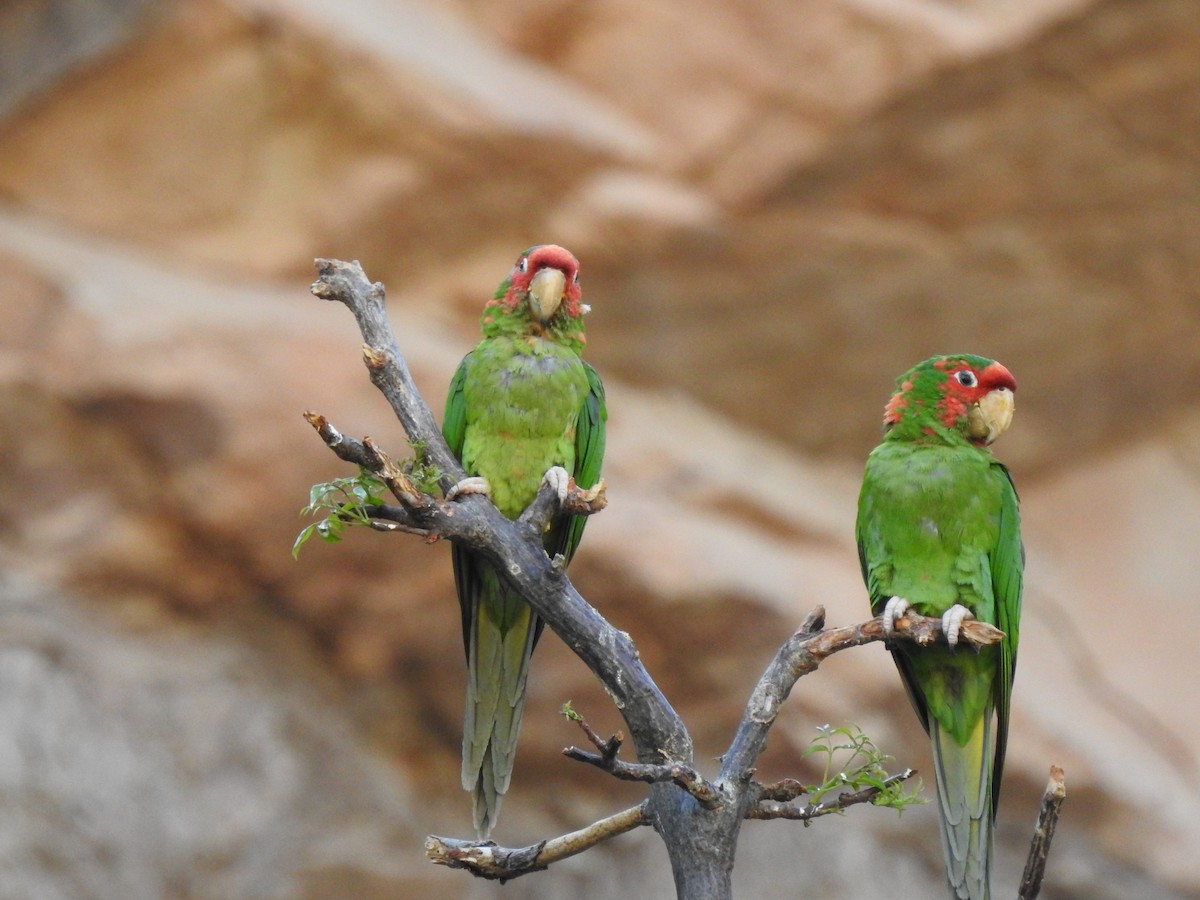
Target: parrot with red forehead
939	532
523	407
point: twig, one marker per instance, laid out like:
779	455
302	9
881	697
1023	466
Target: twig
347	448
366	453
488	860
608	748
770	809
1043	834
683	775
785	790
385	517
679	773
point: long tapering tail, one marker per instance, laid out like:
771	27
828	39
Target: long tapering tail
502	636
964	788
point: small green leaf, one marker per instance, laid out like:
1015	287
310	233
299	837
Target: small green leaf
343	502
860	765
302	539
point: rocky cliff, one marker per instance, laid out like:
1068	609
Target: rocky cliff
778	207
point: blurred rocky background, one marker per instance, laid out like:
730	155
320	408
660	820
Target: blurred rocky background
779	205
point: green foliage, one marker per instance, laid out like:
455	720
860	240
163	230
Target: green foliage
344	502
859	766
568	712
421	472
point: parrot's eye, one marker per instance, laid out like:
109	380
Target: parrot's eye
523	263
577	277
966	378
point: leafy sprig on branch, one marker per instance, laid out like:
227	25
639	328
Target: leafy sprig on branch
342	502
860	764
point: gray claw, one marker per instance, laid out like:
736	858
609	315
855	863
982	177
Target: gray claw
474	484
895	609
952	620
559	479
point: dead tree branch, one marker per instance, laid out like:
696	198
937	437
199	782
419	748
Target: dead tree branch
488	860
346	283
608	748
1043	834
684	776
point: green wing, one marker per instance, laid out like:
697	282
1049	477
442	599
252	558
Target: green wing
1008	566
454	430
454	420
870	563
566	532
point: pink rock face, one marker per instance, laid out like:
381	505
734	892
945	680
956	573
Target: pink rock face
772	219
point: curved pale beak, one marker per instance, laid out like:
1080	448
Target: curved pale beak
991	415
546	292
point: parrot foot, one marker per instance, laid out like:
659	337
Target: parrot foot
571	497
560	480
472	485
895	609
952	620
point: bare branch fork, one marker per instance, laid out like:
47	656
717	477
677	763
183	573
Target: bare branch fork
698	820
682	775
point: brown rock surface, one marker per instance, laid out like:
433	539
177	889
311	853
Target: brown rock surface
774	220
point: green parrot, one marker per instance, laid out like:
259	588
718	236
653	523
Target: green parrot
523	407
939	532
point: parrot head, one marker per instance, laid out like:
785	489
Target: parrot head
546	276
962	396
541	295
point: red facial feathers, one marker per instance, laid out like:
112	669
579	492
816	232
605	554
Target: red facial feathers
948	384
541	257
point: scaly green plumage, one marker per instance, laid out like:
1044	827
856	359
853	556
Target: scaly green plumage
521	402
938	524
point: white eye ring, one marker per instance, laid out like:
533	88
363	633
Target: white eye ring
966	378
523	265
